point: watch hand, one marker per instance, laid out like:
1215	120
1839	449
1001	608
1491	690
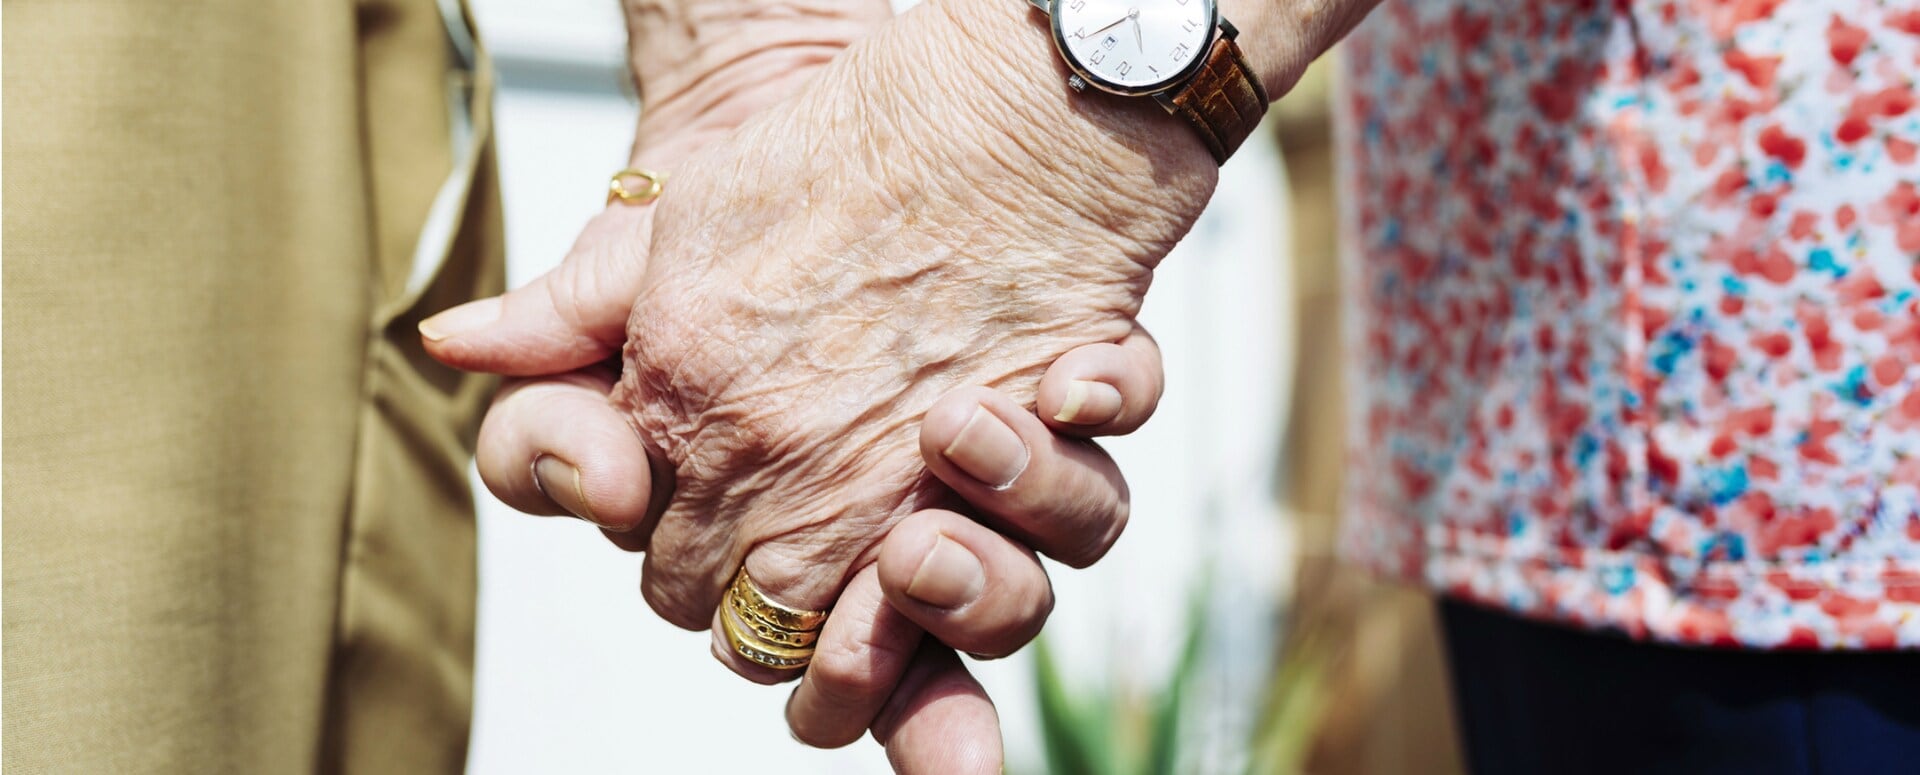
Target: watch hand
1116	23
1136	32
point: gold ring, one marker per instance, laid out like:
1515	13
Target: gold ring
765	632
760	653
759	606
617	186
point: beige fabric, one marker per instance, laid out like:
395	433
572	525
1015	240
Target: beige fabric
237	535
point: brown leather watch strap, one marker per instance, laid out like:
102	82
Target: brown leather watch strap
1223	101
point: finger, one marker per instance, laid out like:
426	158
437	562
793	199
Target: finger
554	445
801	557
1061	496
966	585
1104	389
940	720
679	577
568	318
808	581
863	651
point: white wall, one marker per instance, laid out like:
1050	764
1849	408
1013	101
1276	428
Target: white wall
574	672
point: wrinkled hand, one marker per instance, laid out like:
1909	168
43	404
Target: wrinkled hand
824	274
557	430
931	210
988	599
846	257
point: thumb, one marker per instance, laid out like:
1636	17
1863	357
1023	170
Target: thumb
568	318
575	315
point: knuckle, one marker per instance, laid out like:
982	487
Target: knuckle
1011	629
1089	526
1026	622
1140	414
1087	547
845	676
1108	352
671	604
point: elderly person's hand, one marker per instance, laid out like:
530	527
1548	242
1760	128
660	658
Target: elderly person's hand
928	212
819	277
552	444
931	211
963	583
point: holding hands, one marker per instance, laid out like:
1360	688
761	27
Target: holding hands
784	388
882	242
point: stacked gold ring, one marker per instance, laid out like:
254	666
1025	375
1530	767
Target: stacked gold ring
766	632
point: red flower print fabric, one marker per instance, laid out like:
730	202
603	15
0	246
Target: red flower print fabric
1635	312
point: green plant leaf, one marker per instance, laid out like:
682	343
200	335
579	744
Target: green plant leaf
1075	736
1296	701
1163	746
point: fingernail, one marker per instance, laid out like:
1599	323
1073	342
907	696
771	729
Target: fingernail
468	317
948	577
988	450
1089	403
561	484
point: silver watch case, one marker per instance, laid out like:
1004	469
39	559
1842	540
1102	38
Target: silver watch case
1082	78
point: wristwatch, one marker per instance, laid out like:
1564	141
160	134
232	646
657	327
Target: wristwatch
1180	52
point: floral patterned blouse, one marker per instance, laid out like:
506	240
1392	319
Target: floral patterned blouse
1635	307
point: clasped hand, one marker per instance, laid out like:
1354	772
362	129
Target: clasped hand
862	339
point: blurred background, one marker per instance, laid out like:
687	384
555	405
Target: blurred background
1218	637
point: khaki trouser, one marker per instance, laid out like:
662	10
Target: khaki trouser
238	530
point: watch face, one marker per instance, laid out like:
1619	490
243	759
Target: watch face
1133	46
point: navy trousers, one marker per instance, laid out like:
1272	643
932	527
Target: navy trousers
1535	698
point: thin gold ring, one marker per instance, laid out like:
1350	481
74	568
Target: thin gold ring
617	186
760	653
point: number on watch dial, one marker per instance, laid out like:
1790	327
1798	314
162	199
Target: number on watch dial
1135	46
